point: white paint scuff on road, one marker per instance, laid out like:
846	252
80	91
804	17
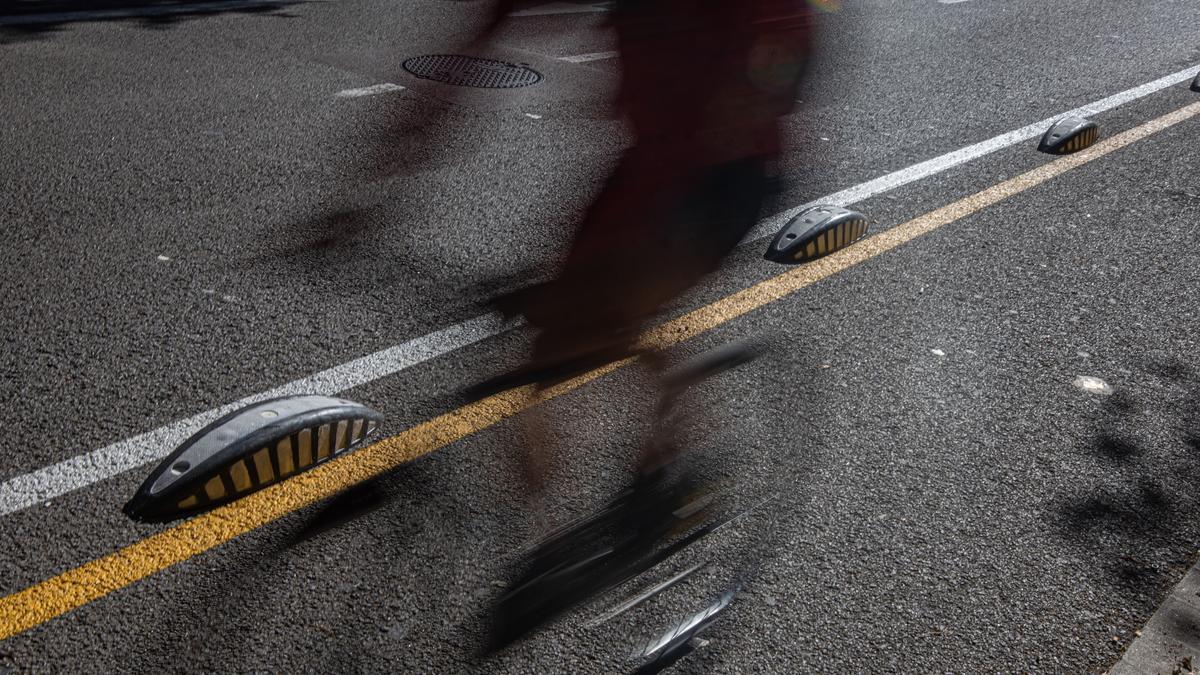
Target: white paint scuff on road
23	491
584	58
1093	385
372	90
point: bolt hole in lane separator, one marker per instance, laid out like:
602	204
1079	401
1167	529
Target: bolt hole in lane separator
95	579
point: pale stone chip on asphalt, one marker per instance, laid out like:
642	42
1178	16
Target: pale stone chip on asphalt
937	352
1093	385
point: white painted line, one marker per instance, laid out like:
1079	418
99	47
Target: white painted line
80	471
951	2
83	470
563	8
369	91
584	58
132	13
533	116
936	165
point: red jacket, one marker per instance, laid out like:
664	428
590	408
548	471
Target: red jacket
705	81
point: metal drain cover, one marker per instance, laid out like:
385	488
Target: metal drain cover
469	71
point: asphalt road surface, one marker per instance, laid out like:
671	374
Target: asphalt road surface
948	498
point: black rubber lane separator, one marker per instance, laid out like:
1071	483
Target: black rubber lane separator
249	449
815	233
1070	134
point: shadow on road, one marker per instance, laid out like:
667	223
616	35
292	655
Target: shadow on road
343	508
329	590
22	20
369	229
1139	520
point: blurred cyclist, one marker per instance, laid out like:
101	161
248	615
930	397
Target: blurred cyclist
704	85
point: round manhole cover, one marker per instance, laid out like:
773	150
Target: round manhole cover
468	71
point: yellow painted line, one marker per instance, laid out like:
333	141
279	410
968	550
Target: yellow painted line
93	580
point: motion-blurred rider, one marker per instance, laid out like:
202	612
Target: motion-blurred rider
704	85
